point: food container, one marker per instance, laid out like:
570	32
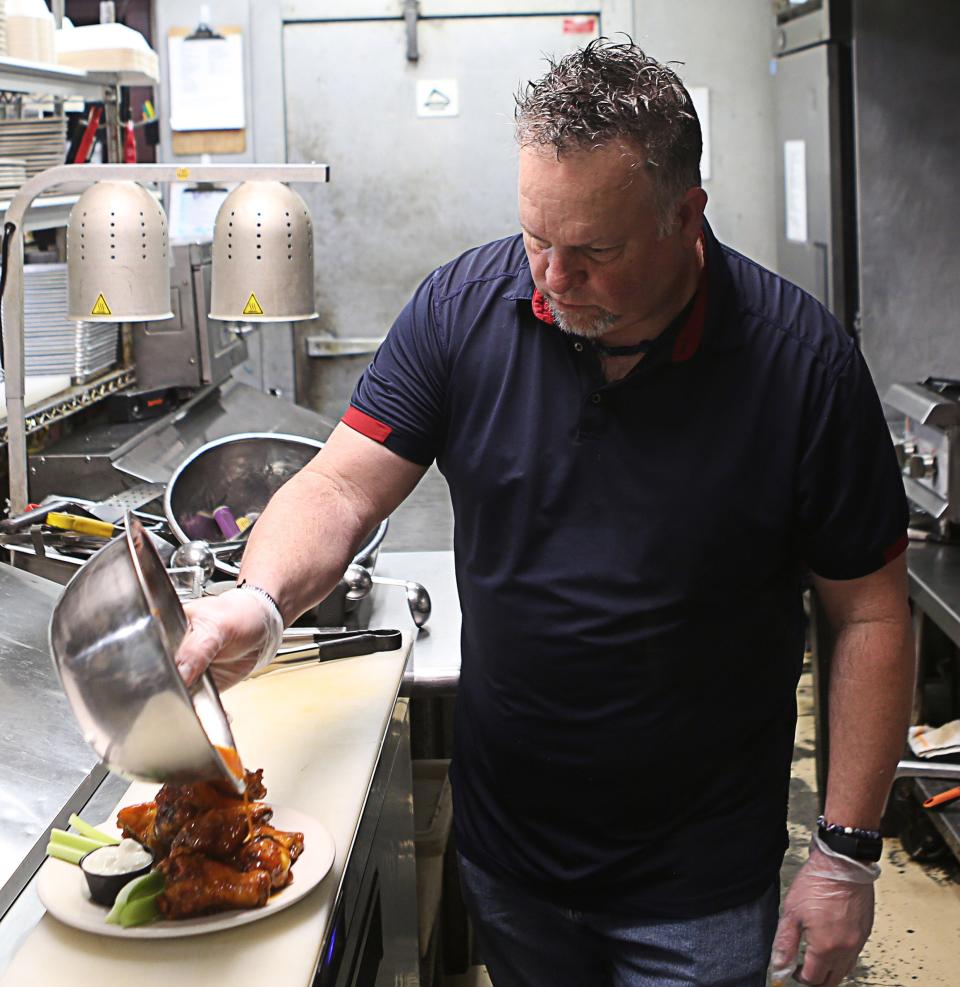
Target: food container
241	472
114	635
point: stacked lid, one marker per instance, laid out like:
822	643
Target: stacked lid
53	345
13	173
40	142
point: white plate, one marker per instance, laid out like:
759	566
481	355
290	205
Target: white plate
63	889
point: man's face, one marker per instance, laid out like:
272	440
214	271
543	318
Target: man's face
591	232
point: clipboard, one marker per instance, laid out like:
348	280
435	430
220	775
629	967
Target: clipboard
191	132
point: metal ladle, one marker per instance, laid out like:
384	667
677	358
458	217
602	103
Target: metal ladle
360	581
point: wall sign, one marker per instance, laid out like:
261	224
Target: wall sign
795	182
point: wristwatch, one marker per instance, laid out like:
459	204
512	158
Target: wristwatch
851	841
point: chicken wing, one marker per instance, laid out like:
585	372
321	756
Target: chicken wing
291	842
197	885
137	823
220	833
263	853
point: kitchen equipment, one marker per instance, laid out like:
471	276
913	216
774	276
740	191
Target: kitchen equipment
189	350
360	581
194	553
263	256
114	634
242	472
330	645
418	599
943	799
118	267
929	452
110	510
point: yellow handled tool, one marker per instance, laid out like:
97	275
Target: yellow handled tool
82	525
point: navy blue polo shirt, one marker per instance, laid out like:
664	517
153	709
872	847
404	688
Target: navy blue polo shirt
629	559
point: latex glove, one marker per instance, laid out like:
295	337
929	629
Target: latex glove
233	634
830	906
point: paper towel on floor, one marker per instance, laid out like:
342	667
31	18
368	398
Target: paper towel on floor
935	741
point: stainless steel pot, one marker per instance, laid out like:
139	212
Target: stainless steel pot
241	472
114	635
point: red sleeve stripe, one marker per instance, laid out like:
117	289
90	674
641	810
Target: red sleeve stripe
897	548
366	424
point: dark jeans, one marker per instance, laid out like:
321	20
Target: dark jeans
527	942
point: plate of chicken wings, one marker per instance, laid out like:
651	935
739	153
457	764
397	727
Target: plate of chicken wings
226	861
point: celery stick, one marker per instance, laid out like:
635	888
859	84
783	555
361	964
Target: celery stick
73	841
139	911
70	854
139	887
91	832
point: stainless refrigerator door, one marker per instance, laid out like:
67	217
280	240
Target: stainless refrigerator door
810	224
407	192
907	83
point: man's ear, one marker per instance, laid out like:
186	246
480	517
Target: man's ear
689	215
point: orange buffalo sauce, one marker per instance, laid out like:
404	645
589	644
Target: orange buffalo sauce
232	759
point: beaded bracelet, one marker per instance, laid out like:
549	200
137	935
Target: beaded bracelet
862	834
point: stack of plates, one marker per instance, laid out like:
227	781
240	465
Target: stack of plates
13	173
52	344
38	141
3	27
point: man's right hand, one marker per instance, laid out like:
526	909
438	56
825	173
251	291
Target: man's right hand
231	634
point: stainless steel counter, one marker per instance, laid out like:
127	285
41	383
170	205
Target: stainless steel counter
935	584
435	670
47	770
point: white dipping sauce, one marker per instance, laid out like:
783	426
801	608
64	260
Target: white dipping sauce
128	856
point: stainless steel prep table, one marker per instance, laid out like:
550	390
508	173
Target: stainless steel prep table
934	572
47	770
934	584
435	669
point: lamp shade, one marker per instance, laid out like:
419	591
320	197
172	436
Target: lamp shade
262	256
118	265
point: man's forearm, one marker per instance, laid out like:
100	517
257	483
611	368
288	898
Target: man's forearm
871	688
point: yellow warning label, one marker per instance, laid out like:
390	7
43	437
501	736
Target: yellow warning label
252	307
101	307
182	173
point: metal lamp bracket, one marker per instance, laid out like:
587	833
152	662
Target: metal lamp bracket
13	336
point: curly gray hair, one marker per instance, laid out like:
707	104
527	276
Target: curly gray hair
609	91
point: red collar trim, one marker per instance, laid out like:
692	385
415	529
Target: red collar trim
688	338
540	308
691	333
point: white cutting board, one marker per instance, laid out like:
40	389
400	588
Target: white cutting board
36	389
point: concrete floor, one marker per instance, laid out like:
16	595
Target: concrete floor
916	934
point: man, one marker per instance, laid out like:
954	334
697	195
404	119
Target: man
648	440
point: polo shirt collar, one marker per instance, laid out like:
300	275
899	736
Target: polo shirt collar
704	329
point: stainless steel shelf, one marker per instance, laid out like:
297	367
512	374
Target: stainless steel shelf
46	213
75	399
17	76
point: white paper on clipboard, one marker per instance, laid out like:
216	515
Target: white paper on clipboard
193	212
206	83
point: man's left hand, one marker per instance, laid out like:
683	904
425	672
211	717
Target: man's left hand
830	907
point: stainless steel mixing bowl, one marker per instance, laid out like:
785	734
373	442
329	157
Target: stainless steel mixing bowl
114	635
241	472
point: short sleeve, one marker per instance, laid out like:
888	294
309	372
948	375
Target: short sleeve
852	508
399	400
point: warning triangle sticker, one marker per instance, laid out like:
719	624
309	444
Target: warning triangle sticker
437	100
252	307
101	307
